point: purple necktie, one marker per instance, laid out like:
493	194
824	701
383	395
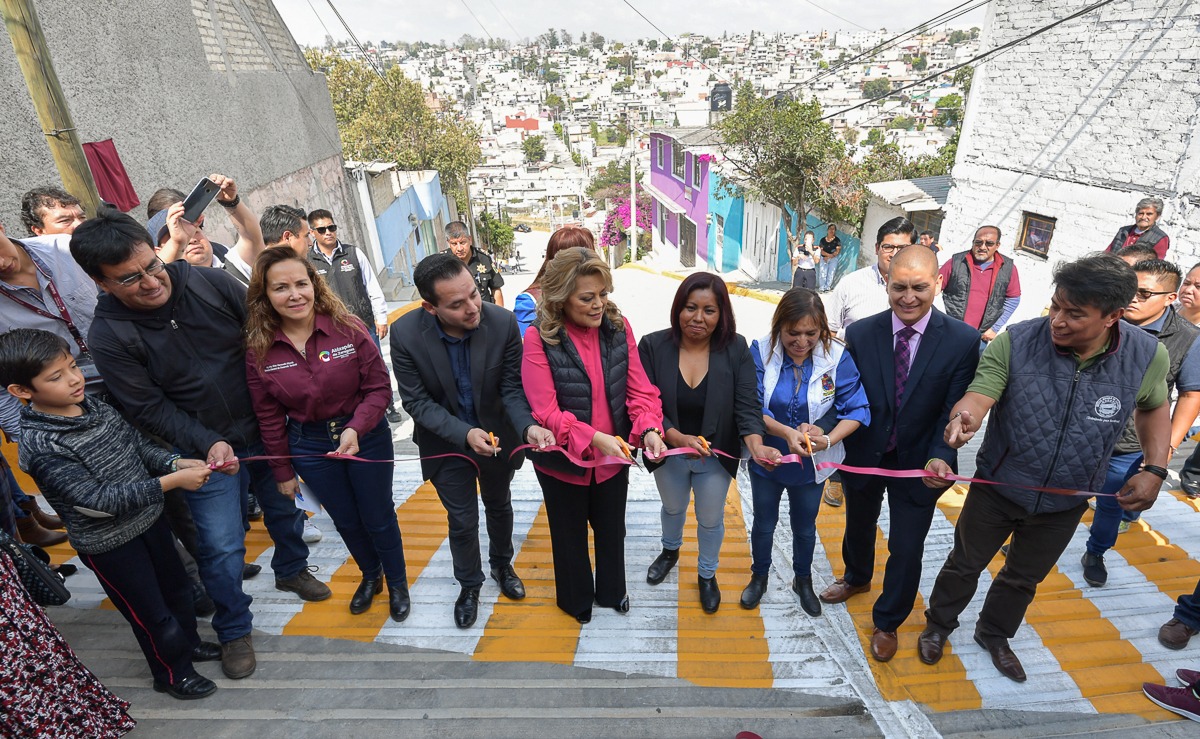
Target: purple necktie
903	360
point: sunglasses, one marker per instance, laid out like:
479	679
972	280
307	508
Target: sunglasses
322	229
1143	294
981	242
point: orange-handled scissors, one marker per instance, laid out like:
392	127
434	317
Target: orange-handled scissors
494	442
629	453
704	443
808	444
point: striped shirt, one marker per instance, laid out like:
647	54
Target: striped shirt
860	294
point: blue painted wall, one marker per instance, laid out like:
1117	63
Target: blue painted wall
732	210
847	258
423	200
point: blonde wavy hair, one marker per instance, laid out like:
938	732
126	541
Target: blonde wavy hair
261	319
558	283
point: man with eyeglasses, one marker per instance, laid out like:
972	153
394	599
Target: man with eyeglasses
168	340
175	238
1151	311
352	278
863	292
981	286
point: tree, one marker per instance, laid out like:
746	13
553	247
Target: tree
495	234
566	37
387	119
554	102
594	131
950	110
618	62
782	152
622	85
551	76
709	52
877	88
652	44
610	180
549	39
596	40
534	148
874	137
919	63
668	45
963	76
902	121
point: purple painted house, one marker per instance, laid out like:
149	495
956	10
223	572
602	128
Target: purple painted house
679	182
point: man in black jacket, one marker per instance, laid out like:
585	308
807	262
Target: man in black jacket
168	341
458	365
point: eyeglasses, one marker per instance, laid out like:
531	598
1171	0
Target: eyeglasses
151	269
322	229
1143	294
981	242
892	247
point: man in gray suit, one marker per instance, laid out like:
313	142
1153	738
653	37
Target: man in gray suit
458	366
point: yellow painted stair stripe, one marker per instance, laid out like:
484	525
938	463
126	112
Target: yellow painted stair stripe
942	687
1108	670
728	648
423	525
533	629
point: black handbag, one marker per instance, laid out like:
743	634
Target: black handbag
45	585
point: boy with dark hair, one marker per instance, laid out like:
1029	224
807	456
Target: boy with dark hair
107	482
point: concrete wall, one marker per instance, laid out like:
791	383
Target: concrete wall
184	88
1077	125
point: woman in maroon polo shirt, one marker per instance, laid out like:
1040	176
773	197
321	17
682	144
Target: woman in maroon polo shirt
320	389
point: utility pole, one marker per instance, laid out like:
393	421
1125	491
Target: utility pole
29	45
633	229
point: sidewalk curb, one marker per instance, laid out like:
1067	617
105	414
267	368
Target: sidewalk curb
734	289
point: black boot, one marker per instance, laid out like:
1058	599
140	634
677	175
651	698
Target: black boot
661	566
398	601
802	586
365	594
710	594
754	591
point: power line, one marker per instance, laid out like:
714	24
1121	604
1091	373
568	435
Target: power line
321	21
366	57
667	36
835	15
978	57
472	12
516	33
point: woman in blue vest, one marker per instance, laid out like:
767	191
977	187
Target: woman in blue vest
585	382
703	370
804	374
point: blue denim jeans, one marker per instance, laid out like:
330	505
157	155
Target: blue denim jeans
1109	513
826	269
284	521
803	503
357	496
676	480
217	511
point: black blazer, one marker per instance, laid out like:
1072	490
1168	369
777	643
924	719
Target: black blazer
733	406
430	395
937	379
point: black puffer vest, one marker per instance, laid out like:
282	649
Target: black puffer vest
1177	335
574	386
961	275
346	279
1055	425
1149	238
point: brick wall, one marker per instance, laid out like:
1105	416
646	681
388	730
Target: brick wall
1080	123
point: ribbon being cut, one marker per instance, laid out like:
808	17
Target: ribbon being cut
628	460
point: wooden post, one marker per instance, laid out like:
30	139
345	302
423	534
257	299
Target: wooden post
33	55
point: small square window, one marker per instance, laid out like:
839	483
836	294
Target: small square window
1036	233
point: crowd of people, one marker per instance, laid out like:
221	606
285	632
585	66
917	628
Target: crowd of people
165	389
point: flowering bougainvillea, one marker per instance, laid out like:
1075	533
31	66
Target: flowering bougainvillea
617	222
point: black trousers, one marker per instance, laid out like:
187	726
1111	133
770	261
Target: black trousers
146	582
456	482
987	519
911	506
569	510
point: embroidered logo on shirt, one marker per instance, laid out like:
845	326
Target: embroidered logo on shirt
1106	408
279	366
346	266
343	351
826	385
324	356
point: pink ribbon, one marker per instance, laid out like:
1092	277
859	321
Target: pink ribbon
345	457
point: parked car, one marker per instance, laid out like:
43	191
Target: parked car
522	227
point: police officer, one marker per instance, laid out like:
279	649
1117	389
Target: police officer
489	281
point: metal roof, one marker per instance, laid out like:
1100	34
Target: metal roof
923	193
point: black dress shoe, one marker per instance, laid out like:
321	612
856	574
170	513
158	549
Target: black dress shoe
584	618
802	586
510	584
662	566
250	569
365	594
188	689
710	594
466	608
398	602
754	591
206	652
623	606
253	509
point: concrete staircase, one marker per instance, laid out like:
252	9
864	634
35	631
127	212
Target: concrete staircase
314	687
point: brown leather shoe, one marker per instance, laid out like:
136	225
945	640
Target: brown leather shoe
31	532
840	591
1175	634
1004	659
883	645
45	520
930	645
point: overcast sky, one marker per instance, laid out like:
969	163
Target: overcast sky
423	20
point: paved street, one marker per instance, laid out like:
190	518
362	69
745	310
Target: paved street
1086	650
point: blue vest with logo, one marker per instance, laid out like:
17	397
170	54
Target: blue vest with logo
1056	425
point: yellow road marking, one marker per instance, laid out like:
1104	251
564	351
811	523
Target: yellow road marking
423	524
728	648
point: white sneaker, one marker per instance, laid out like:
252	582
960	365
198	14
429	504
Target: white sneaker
312	534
